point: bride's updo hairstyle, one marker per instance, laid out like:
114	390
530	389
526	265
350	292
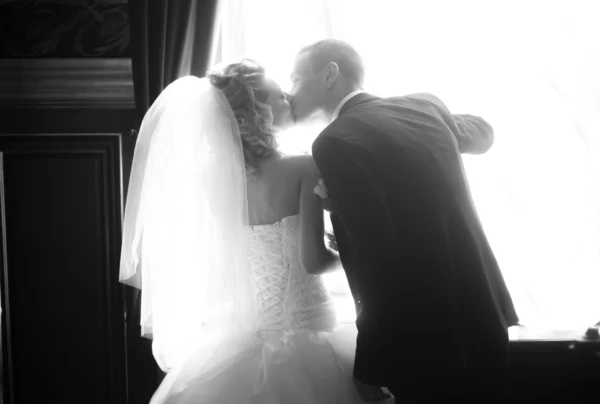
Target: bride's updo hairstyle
240	82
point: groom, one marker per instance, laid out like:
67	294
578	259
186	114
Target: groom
434	308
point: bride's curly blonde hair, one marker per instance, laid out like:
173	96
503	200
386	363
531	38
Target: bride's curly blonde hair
240	83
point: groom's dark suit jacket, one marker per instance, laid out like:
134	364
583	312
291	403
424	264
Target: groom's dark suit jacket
433	302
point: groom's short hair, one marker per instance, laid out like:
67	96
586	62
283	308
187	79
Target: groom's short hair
343	54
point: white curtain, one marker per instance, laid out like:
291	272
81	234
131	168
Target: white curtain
531	68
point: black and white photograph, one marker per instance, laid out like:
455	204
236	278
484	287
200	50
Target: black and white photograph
299	201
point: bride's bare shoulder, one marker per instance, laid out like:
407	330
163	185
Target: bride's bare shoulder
301	164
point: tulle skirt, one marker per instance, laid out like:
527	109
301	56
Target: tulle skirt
271	367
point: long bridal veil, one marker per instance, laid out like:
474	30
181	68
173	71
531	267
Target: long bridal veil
184	241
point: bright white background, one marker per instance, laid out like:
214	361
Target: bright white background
530	68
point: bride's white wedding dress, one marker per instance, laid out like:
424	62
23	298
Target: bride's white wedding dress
185	244
299	356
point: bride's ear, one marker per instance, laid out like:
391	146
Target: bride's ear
332	71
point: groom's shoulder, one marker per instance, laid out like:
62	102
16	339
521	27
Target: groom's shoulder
415	99
339	128
333	132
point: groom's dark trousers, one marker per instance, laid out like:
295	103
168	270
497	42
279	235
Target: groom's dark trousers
434	307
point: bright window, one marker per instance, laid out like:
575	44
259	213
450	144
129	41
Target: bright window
530	68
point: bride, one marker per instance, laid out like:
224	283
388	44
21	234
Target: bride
224	235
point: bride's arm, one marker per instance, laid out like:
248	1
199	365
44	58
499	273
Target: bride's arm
315	256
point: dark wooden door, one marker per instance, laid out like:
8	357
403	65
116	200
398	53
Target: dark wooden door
63	331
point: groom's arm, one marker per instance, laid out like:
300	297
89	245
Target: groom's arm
346	256
355	192
473	133
360	205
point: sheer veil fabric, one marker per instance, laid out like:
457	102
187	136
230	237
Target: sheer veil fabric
184	243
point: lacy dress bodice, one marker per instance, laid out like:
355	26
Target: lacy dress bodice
290	298
297	356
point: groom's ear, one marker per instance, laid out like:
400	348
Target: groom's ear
332	71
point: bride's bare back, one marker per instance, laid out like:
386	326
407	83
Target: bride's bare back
284	187
275	194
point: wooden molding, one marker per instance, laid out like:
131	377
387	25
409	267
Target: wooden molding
66	83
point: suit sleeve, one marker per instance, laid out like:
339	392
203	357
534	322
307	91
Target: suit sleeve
347	256
357	197
473	133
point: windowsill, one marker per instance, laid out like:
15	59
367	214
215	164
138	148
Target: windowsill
345	307
525	334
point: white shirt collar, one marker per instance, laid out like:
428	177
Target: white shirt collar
337	110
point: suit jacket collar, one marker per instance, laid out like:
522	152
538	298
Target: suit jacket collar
356	100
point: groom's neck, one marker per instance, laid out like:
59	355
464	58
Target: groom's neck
336	99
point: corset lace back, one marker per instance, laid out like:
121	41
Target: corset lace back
297	356
290	298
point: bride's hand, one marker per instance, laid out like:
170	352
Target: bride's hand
321	191
371	394
331	241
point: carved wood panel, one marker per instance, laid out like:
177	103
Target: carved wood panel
64	28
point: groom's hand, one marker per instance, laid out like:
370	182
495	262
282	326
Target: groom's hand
371	394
